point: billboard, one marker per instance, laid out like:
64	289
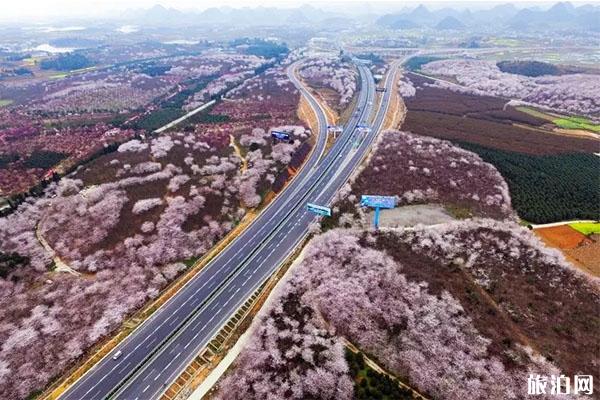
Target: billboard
280	135
378	201
319	210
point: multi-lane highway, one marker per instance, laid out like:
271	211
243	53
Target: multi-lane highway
157	351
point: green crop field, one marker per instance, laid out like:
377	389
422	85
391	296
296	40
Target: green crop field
5	102
587	228
576	123
536	113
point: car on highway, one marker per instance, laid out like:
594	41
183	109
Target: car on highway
117	355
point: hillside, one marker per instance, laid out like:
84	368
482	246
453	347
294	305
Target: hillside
457	309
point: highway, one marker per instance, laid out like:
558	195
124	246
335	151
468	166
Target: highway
160	348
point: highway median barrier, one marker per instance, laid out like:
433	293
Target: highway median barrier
216	350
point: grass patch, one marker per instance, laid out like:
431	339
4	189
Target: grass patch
59	76
587	228
370	384
6	159
158	118
44	159
415	63
576	123
5	102
563	122
458	212
506	42
206	118
535	113
191	261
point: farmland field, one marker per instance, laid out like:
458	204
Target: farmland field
587	228
581	250
551	177
577	123
562	236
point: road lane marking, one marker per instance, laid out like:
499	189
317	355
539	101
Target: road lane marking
275	214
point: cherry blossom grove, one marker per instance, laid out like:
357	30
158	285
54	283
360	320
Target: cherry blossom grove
418	169
351	284
124	224
571	93
333	73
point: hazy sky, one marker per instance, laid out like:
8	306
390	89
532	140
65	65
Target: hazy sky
15	9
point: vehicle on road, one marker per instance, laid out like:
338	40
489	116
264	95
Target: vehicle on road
117	355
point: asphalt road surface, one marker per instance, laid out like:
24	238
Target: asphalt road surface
159	349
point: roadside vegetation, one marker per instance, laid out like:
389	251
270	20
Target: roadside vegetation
422	170
333	74
87	114
456	310
129	223
427	304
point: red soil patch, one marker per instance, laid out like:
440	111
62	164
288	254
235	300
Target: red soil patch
562	236
588	256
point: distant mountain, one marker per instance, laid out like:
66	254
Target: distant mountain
297	17
422	16
562	15
588	17
420	13
159	15
212	14
450	23
401	23
522	19
395	21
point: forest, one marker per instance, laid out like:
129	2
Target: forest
67	62
415	63
44	159
528	68
261	48
548	188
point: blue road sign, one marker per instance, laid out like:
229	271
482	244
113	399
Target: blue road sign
319	210
378	201
280	135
